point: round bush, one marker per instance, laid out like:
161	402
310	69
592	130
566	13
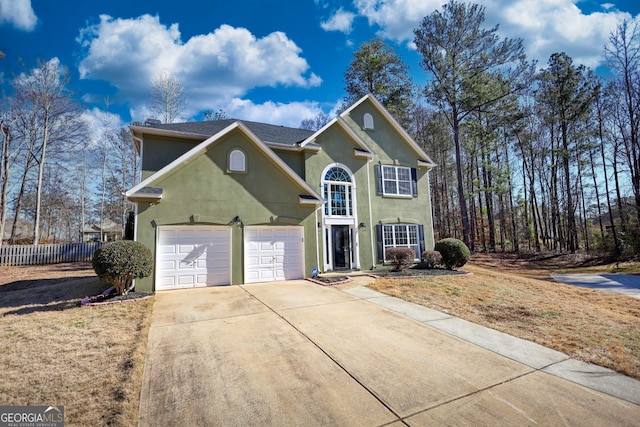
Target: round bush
118	263
399	258
430	259
454	253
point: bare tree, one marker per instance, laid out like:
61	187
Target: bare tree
6	122
167	97
623	56
215	115
315	123
50	116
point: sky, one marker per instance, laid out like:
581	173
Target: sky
272	61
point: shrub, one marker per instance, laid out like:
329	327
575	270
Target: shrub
454	253
431	259
118	263
399	257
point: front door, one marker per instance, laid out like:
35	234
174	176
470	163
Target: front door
341	246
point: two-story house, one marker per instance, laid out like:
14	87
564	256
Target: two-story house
231	201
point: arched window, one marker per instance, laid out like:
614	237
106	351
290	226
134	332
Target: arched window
338	192
237	161
368	121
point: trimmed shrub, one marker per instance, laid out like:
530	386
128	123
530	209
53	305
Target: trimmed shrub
399	258
431	259
454	253
118	263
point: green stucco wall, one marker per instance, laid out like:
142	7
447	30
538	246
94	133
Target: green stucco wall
201	191
390	149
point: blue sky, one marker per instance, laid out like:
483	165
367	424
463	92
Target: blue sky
276	61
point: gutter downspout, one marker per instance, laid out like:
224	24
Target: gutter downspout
373	255
317	242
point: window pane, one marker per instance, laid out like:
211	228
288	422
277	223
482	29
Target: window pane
401	236
389	172
338	200
404	187
338	175
327	202
388	235
390	187
404	174
413	234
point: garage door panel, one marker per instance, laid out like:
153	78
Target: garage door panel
193	256
273	253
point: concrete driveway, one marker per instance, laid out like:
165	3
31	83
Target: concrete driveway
624	284
296	353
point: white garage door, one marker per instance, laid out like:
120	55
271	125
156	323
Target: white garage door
189	257
273	253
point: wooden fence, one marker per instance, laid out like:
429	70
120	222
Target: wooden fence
47	254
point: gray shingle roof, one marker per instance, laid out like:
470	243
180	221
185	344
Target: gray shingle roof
264	131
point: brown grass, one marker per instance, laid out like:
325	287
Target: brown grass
586	324
88	359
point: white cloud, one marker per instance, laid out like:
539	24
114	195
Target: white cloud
290	114
98	120
18	13
340	21
212	67
545	26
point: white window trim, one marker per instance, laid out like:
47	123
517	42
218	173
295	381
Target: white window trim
394	244
351	198
397	182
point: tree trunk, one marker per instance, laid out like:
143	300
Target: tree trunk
464	216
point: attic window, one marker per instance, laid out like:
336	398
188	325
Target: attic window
237	161
368	121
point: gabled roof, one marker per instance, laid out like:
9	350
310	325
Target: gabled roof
270	134
423	158
146	187
361	146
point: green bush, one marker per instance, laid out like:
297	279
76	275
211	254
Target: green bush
399	258
430	259
454	253
118	263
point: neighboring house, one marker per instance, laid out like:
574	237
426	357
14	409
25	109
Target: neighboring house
107	231
231	202
24	231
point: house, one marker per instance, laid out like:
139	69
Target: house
231	202
24	231
107	231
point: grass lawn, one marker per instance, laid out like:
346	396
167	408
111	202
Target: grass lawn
588	325
88	359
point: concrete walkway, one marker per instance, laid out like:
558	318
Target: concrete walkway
624	284
295	353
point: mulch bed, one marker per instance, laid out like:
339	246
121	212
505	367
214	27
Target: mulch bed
415	272
110	297
329	280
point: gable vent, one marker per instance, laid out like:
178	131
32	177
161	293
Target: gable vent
237	161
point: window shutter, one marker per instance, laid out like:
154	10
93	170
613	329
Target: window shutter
380	242
379	179
414	181
421	246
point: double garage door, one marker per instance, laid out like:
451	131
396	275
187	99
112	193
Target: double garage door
194	256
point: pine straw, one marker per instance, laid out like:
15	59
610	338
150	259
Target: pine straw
88	359
588	325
